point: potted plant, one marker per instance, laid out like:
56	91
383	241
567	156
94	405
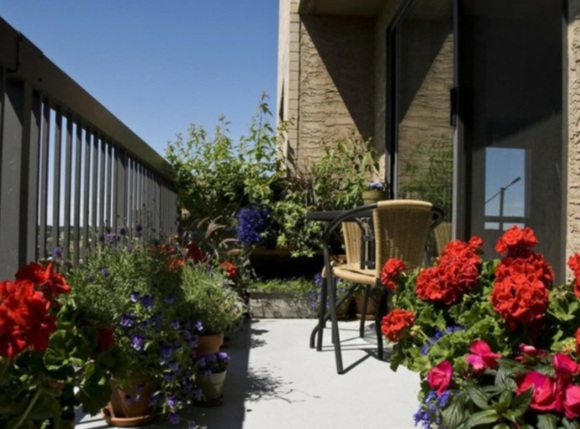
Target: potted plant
209	298
136	287
496	343
53	357
375	191
210	378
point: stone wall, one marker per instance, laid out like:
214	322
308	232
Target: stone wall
573	99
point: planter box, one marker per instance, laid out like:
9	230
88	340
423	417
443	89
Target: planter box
278	305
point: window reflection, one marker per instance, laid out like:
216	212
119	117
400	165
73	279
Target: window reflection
505	184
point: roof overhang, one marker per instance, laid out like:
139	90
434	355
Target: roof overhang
340	7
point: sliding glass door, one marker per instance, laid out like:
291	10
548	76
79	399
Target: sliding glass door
475	115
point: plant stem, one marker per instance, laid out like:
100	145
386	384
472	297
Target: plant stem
28	408
4	368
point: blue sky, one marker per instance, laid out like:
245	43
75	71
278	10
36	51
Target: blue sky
160	65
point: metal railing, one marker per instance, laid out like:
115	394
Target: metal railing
70	171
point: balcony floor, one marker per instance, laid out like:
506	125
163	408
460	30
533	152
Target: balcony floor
276	381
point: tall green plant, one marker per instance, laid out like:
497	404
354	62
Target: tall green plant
216	176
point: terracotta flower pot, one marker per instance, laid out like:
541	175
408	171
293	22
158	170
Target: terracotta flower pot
209	344
129	406
359	301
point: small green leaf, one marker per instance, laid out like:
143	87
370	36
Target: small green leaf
521	403
478	397
482	418
547	421
505	400
570	424
501	426
453	415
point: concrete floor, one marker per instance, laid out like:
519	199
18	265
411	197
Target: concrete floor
275	381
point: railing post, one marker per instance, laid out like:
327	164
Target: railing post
14	173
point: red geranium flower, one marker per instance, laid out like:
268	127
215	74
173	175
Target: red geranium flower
574	264
395	324
391	271
516	239
439	377
577	335
49	282
456	273
229	268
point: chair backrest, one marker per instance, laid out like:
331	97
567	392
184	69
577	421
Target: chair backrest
355	247
442	236
401	229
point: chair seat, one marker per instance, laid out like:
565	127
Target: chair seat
353	273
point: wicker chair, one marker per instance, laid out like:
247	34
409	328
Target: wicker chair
400	228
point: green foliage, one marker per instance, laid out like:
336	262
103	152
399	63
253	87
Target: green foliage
210	298
428	174
217	176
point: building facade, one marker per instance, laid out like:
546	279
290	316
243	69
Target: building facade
474	104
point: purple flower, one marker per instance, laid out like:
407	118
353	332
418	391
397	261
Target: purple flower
126	321
169	377
137	342
170	299
175	324
147	301
198	326
134	296
253	221
110	238
122	230
375	184
105	272
166	352
174	366
138	229
172	402
57	253
173	418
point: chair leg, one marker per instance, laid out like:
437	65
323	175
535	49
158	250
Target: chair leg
380	311
363	316
334	327
322	312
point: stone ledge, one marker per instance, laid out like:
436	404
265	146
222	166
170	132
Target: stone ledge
279	305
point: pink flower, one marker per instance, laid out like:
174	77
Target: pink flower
565	366
544	395
572	402
482	357
439	376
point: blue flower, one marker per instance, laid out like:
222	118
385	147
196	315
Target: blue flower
166	352
198	326
110	238
57	253
147	301
253	220
172	402
126	321
174	366
137	342
173	418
